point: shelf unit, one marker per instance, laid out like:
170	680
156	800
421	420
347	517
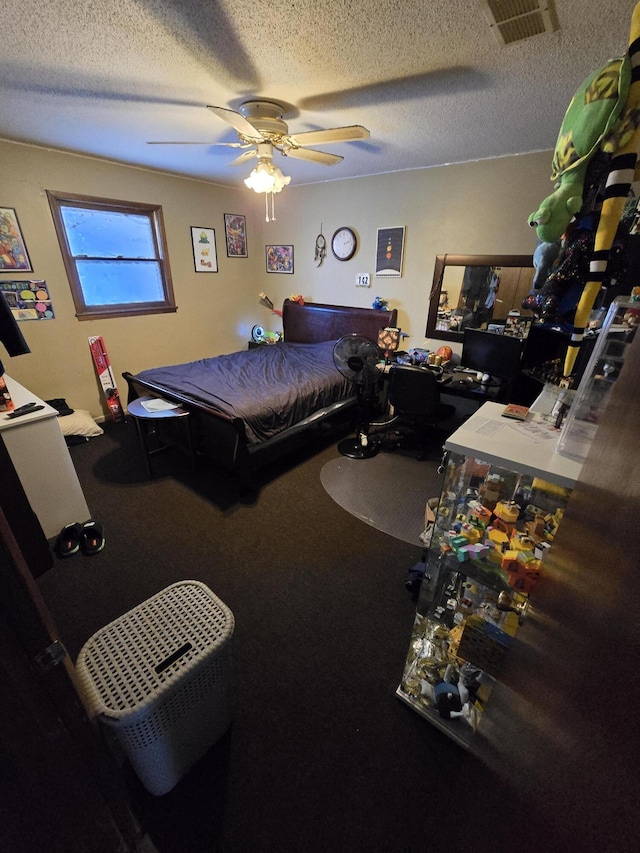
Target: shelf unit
504	491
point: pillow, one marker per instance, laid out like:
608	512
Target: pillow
79	423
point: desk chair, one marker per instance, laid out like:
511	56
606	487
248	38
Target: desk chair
414	395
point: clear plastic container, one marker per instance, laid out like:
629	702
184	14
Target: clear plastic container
599	377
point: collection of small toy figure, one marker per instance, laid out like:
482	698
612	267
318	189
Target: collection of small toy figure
484	559
486	533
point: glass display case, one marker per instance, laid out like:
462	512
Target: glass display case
504	492
600	375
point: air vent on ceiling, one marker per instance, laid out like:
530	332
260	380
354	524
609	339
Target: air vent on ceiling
515	20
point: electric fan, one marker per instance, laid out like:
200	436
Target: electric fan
356	358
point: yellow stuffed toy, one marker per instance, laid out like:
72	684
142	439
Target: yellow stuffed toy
624	143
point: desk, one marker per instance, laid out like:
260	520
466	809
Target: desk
458	386
41	458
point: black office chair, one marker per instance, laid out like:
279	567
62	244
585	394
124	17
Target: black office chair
414	396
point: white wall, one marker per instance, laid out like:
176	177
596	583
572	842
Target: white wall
462	209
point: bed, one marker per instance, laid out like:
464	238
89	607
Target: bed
248	406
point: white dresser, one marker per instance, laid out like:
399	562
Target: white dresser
41	458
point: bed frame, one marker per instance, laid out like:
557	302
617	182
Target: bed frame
221	438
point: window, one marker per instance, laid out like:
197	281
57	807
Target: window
115	255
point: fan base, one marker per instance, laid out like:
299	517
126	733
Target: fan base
352	448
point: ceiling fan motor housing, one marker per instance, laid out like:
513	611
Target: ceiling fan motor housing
265	116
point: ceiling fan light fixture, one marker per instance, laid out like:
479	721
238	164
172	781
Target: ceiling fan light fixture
266	178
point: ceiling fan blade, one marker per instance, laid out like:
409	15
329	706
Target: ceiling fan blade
247	155
312	154
225	144
237	121
332	134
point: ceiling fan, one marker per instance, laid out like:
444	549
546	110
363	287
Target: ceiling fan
261	129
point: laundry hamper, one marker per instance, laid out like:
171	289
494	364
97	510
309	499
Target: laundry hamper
160	677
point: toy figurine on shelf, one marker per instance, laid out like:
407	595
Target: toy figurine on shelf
436	678
631	316
379	303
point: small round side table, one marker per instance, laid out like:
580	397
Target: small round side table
146	425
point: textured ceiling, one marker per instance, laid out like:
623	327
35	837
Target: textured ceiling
428	79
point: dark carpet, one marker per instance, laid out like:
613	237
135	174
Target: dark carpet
321	755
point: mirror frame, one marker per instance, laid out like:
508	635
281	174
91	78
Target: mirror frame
443	261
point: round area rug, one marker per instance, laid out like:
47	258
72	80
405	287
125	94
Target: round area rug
388	491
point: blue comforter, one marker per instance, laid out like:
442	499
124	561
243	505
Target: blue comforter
271	387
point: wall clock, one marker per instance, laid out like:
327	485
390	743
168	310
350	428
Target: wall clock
344	243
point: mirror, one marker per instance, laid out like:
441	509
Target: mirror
479	291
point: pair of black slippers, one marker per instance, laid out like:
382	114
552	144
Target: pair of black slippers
88	536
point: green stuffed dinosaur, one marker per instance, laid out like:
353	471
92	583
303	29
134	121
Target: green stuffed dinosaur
593	112
624	142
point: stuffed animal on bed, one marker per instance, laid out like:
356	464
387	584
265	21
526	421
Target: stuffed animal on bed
622	172
593	112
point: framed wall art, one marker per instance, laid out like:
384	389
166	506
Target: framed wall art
279	259
13	251
203	241
390	248
28	300
235	231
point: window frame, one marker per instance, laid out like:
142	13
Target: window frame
57	200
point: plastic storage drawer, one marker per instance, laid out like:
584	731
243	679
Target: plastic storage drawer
160	677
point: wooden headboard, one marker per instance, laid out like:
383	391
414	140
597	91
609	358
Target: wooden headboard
314	322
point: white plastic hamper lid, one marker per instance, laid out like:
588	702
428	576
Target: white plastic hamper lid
137	658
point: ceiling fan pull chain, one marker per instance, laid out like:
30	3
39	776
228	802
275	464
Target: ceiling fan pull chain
266	208
273	207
